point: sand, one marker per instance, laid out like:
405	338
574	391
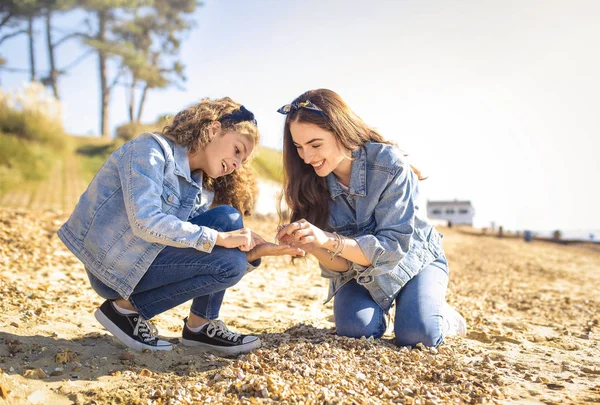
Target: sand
532	311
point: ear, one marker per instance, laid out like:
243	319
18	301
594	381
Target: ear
214	128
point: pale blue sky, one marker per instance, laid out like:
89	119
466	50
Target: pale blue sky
497	101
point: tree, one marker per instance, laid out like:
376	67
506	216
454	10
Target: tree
12	15
50	8
106	14
155	36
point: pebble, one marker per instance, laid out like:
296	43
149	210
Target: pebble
36	373
589	370
127	356
145	373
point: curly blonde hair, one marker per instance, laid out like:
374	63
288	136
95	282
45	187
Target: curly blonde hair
190	128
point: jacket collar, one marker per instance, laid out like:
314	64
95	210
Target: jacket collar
182	163
358	177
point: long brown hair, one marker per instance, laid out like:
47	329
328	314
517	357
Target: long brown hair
190	128
305	193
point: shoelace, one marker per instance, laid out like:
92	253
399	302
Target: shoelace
219	327
145	329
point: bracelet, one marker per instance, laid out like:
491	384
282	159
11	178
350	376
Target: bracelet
338	246
343	246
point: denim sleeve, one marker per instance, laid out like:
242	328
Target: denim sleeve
141	171
394	215
326	273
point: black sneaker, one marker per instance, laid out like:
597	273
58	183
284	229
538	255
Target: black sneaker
216	337
132	330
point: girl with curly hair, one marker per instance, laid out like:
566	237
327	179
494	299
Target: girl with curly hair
149	239
353	202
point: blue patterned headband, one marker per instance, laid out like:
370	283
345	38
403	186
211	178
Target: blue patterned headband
243	114
296	105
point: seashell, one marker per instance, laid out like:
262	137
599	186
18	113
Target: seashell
36	373
145	373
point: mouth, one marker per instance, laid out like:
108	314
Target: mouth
224	166
318	165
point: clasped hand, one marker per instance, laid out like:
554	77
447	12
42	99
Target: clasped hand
256	246
302	234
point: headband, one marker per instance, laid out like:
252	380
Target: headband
296	105
243	114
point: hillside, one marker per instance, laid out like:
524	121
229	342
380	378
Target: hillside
34	175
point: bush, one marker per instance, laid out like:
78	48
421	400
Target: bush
127	132
268	163
93	153
32	114
22	161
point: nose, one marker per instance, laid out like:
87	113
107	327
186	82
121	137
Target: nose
307	158
236	163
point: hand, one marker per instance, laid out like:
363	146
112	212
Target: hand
290	241
271	249
303	234
241	239
258	240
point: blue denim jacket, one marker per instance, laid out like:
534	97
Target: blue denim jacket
138	203
379	210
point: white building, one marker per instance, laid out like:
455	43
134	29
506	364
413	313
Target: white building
454	212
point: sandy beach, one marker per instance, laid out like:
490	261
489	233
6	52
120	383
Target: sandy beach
532	311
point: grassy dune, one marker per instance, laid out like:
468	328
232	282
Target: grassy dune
35	174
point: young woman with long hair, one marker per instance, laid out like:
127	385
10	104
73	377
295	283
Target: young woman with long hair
352	199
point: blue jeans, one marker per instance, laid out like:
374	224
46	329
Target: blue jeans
178	275
418	307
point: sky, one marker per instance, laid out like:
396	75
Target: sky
496	101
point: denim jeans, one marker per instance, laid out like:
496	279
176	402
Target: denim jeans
418	309
178	275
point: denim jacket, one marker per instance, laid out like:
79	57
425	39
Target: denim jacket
138	203
380	211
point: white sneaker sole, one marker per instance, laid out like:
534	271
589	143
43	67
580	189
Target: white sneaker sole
126	340
231	351
457	325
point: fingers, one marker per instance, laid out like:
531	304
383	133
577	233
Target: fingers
301	234
249	242
281	250
258	240
286	239
291	228
282	230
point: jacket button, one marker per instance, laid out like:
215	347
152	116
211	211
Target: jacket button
206	245
170	199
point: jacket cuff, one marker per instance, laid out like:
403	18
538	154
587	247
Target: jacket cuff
251	266
371	248
207	240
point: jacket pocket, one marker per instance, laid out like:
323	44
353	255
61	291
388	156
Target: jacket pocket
170	200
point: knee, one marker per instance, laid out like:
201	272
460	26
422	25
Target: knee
229	218
236	266
357	327
102	289
428	333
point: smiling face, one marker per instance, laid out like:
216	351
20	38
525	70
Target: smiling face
320	149
225	153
